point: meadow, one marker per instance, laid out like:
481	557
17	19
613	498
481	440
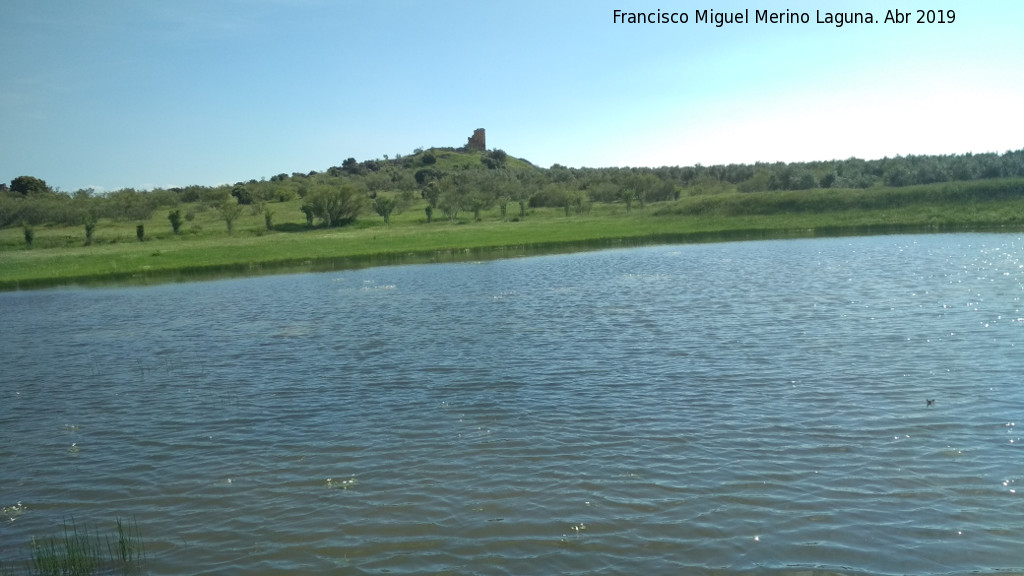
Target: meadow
204	248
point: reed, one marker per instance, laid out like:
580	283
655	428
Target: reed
80	551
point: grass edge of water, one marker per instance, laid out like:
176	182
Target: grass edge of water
80	551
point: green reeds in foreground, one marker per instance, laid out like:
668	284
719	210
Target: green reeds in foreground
81	552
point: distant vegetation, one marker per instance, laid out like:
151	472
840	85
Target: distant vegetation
457	183
414	200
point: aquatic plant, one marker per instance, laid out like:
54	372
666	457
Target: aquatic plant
129	549
81	552
78	552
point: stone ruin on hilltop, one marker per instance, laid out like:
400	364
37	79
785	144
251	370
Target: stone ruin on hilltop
478	141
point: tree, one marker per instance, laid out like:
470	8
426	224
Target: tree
383	206
351	166
377	182
90	227
26	185
578	200
643	185
30	233
335	206
627	196
494	159
552	195
175	217
477	199
478	191
507	188
230	210
802	179
140	232
464	191
432	193
424	176
242	193
449	200
129	204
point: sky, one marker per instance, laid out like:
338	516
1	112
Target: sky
107	94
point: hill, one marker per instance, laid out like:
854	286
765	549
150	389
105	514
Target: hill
435	201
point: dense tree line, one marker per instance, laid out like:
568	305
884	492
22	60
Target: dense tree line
457	183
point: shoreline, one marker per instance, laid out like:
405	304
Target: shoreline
407	255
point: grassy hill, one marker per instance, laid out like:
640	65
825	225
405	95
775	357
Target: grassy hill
444	204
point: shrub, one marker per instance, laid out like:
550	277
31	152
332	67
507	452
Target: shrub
230	210
334	206
90	226
175	217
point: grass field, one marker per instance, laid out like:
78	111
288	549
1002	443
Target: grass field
203	249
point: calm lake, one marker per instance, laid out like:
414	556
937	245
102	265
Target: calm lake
735	408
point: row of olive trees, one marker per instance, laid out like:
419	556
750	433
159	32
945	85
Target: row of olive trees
454	185
45	206
474	191
603	184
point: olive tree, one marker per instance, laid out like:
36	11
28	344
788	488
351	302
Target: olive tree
384	206
334	205
175	217
230	210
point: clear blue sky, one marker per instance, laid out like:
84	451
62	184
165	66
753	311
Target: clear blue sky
117	93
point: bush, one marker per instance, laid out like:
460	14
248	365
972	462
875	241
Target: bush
90	227
242	194
175	217
425	176
334	206
230	210
285	194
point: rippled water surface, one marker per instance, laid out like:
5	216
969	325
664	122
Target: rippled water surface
702	409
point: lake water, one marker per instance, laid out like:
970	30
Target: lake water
748	407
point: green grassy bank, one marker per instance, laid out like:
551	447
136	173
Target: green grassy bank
204	249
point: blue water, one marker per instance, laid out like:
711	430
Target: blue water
749	407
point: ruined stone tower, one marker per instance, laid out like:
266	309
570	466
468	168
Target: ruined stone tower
478	141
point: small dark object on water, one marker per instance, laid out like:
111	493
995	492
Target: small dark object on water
929	402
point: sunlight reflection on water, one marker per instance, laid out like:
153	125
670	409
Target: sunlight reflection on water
719	409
